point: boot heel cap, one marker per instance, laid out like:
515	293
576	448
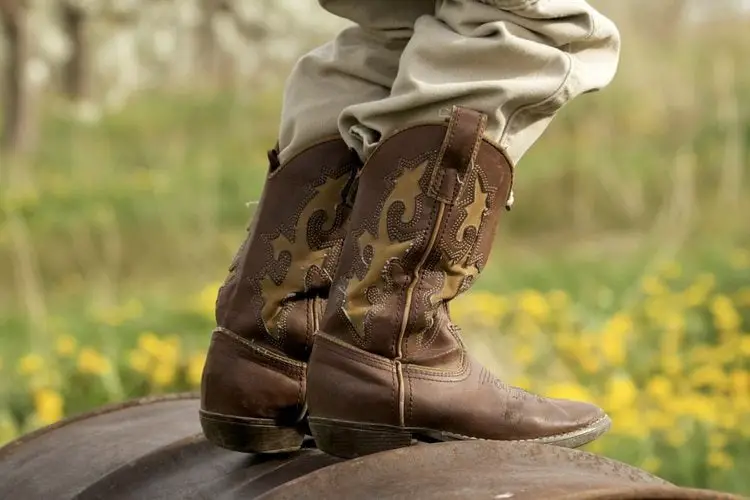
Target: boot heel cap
250	435
352	439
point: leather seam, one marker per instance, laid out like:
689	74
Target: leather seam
266	357
440	375
348	351
411	399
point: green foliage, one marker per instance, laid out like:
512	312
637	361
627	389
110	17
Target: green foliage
114	230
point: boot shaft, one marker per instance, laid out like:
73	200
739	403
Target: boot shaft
280	277
388	365
253	389
421	230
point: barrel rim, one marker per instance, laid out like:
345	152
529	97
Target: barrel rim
103	410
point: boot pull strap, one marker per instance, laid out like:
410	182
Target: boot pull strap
457	153
273	159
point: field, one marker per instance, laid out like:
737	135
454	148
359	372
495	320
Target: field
621	276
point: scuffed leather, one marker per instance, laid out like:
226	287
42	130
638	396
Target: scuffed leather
272	299
428	205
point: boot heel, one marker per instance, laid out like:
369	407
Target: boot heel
351	440
250	435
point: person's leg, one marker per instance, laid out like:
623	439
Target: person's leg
476	86
518	61
358	66
253	388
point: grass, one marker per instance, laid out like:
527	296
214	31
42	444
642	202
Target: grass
621	275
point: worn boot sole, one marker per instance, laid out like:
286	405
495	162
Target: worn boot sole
352	439
250	435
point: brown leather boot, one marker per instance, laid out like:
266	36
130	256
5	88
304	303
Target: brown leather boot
253	387
388	366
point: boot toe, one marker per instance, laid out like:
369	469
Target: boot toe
575	423
580	413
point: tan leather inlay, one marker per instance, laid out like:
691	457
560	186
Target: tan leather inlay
362	294
303	259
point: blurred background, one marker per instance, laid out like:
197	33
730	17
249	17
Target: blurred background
134	139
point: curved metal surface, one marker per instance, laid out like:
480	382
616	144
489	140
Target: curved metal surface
485	470
146	449
154	449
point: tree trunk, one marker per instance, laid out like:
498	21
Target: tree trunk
76	83
19	130
208	47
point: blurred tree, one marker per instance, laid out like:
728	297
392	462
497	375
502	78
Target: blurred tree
76	73
209	50
18	127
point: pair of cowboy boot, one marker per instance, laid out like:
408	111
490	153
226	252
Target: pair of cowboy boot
335	321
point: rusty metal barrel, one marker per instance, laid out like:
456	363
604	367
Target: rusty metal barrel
153	449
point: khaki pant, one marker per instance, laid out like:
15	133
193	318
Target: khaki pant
407	61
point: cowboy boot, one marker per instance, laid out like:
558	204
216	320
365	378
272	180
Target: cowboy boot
388	366
253	386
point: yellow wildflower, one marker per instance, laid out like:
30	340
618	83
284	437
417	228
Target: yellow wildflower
697	293
534	304
628	421
703	354
658	420
524	354
205	302
139	360
595	447
725	315
720	460
740	383
708	376
729	417
613	339
195	368
652	285
48	405
163	374
8	428
745	345
651	464
522	381
568	390
150	344
486	303
674	322
659	387
671	364
590	364
169	351
582	350
621	393
92	362
613	347
65	345
620	324
700	407
30	364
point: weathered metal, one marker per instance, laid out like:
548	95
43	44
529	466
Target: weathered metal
153	449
